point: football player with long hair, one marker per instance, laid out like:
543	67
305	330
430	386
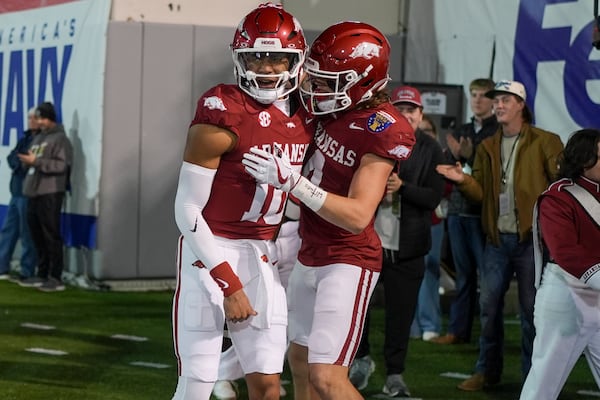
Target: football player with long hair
358	138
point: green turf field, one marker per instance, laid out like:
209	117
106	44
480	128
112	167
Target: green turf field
98	366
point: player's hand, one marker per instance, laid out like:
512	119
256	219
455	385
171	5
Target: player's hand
237	307
451	172
275	170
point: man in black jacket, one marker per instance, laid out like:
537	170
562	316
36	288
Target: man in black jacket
404	226
465	235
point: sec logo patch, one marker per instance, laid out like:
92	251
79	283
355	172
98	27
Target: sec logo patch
264	119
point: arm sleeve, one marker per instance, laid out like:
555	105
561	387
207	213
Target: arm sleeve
193	192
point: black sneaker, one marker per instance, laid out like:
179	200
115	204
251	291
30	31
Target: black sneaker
34	281
52	285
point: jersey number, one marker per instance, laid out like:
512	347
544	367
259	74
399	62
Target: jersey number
267	204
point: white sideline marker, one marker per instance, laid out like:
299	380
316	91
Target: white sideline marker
591	393
31	325
129	337
455	375
149	364
46	351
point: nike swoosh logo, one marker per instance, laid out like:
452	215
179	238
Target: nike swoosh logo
195	225
222	283
280	178
308	120
355	127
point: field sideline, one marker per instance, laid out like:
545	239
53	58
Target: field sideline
82	344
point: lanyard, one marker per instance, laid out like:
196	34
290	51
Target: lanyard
507	168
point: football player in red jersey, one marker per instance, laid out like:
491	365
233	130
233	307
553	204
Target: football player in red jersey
226	253
359	136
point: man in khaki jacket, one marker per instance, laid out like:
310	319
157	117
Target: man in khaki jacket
511	169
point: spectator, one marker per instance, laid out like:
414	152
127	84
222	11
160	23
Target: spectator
414	190
465	236
511	169
357	141
226	254
15	225
428	315
566	304
48	162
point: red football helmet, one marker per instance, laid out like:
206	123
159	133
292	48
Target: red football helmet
347	64
268	32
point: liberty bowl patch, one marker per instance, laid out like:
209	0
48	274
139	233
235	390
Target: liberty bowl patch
379	121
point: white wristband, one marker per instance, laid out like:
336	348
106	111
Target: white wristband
310	194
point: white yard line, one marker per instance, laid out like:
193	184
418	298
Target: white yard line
591	393
149	364
455	375
129	337
32	325
51	352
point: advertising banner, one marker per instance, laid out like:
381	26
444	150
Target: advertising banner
545	44
57	54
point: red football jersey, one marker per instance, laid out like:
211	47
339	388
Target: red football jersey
238	207
339	144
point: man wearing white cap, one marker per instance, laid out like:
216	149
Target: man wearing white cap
511	169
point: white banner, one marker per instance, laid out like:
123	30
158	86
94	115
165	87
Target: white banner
58	54
545	44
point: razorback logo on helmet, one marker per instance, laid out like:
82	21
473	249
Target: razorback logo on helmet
365	50
401	152
379	121
214	103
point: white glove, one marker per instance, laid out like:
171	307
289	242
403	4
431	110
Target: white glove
274	170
